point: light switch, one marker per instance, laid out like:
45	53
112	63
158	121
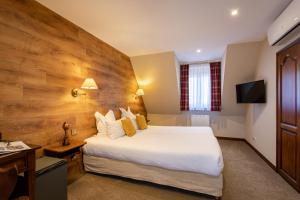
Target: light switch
74	131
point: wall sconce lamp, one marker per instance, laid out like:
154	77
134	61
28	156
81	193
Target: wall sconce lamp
88	84
139	92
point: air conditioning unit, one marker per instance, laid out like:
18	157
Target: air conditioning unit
285	23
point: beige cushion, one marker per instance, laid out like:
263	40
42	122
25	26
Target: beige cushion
128	127
141	121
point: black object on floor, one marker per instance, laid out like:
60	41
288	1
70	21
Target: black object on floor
51	179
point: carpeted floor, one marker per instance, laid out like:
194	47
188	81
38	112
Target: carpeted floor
246	177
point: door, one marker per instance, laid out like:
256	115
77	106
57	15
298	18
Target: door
288	114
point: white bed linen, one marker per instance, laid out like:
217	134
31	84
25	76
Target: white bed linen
192	149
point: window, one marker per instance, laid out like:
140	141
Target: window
199	87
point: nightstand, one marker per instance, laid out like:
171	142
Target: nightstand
73	154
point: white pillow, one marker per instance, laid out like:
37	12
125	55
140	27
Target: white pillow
127	113
110	115
123	112
130	115
101	121
100	126
114	129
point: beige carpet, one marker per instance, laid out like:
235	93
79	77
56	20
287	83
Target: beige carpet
246	177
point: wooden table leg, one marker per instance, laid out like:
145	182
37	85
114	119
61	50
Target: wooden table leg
30	175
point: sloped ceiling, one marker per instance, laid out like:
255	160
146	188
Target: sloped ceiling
158	75
139	27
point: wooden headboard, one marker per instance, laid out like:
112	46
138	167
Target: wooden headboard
42	57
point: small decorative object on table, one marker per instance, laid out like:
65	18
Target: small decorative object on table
66	140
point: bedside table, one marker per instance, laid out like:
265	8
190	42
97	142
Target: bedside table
73	154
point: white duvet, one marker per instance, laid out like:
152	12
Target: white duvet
192	149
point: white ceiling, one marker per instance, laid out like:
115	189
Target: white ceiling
138	27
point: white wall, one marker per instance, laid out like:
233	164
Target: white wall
169	119
158	74
261	118
232	126
240	63
223	70
177	66
222	125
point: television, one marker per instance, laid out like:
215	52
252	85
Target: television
252	92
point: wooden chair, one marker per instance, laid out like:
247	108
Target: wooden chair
8	177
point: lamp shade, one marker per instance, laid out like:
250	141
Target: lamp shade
139	92
89	84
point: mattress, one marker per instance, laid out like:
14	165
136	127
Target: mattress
190	149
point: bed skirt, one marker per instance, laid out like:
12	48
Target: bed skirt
196	182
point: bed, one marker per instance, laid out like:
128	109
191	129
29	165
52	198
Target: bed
189	158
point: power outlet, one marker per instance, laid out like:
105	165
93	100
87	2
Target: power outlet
74	132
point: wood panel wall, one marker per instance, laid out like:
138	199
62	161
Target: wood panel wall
42	57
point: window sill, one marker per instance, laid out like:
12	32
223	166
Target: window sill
200	112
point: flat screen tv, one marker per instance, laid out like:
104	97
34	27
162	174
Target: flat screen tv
252	92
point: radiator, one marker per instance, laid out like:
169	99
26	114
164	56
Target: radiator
199	120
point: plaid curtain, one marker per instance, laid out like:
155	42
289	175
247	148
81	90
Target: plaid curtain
184	87
215	75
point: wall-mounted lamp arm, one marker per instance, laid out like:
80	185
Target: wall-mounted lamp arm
76	92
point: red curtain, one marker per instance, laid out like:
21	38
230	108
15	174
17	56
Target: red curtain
184	87
215	75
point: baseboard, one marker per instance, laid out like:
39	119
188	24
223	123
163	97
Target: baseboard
252	147
262	156
229	138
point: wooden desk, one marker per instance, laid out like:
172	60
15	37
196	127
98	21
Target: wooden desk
25	162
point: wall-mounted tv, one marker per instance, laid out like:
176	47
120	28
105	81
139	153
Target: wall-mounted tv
252	92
